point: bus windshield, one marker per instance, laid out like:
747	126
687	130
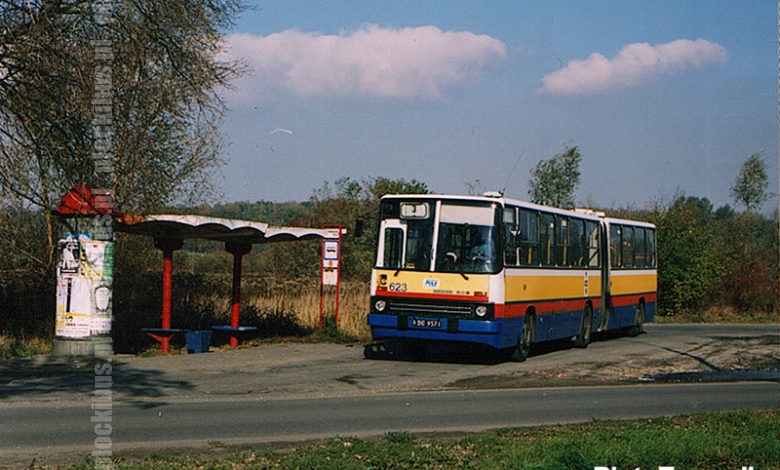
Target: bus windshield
467	240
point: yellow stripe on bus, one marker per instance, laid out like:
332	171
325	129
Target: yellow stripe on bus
533	285
632	282
432	283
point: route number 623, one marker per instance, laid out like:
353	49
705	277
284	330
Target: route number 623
397	287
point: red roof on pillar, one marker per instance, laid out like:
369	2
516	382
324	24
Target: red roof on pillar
88	200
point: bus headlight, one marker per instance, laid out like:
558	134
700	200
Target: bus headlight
380	305
481	310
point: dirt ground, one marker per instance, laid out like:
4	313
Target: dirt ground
722	356
665	353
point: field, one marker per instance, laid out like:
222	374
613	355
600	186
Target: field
302	298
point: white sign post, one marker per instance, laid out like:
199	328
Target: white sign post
329	267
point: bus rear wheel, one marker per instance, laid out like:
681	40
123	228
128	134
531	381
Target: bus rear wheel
582	340
526	339
639	321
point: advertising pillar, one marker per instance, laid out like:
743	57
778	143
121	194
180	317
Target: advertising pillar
85	273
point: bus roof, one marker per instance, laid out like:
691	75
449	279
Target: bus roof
496	197
492	196
634	223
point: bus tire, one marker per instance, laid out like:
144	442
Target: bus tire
639	321
582	340
526	339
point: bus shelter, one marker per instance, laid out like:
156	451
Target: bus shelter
169	233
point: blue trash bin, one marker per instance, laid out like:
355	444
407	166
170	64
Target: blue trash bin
198	341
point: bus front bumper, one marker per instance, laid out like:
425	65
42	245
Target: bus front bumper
489	332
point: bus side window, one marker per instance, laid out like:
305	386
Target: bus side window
529	238
511	238
547	238
628	246
577	241
562	241
615	251
594	247
651	260
640	249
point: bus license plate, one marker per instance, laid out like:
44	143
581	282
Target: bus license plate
425	323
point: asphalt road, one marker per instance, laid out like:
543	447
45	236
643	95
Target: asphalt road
294	392
51	430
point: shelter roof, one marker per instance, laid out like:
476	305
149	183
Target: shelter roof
215	228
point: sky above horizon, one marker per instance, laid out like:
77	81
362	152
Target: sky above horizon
663	98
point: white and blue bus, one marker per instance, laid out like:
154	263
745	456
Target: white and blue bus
507	273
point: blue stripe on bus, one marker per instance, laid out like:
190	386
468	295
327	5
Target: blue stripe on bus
499	333
505	332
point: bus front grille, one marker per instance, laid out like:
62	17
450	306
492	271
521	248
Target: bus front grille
405	307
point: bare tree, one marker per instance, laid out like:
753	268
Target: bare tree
150	67
115	93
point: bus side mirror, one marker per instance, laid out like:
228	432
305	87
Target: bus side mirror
359	228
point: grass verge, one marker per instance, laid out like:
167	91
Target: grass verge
730	440
720	315
14	348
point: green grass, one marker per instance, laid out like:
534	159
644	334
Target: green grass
709	441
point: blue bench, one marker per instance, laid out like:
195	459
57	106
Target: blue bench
234	332
197	341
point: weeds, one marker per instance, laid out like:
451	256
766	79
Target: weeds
14	347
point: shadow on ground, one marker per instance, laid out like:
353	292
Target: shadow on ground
40	378
464	353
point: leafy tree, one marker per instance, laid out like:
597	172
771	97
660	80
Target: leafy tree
554	181
382	186
747	248
750	186
689	266
345	202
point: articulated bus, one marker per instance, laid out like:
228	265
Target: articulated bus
507	274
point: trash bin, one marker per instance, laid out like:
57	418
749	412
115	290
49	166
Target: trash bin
198	341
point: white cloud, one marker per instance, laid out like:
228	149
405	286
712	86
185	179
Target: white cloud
636	64
417	63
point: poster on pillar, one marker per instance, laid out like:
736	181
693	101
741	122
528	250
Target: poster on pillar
84	275
330	262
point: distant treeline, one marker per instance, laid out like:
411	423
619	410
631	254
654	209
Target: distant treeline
708	258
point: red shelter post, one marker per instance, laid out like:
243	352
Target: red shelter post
238	250
168	246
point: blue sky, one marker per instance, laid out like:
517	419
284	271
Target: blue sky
662	97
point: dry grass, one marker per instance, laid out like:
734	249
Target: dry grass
302	298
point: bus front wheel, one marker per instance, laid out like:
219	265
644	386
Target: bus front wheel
526	339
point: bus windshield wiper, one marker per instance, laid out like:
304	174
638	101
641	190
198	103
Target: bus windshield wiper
454	258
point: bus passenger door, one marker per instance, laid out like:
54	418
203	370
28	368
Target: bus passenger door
391	244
